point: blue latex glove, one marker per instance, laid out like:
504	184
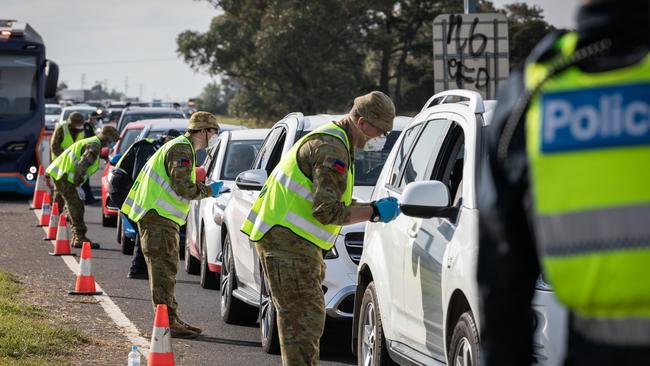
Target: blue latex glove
387	208
216	187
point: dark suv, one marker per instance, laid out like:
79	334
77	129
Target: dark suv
131	114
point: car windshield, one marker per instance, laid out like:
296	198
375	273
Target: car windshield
144	116
368	164
84	112
18	87
239	157
53	110
200	155
129	138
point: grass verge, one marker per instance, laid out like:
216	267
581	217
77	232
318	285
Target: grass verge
27	336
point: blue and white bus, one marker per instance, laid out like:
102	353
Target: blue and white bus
26	79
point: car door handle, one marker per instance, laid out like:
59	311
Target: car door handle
412	231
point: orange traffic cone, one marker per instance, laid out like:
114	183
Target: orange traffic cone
85	284
45	213
54	221
39	190
62	243
160	352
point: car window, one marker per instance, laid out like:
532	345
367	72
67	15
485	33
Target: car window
449	164
368	164
425	151
53	110
154	134
144	116
267	148
211	158
239	157
86	113
276	154
128	139
409	137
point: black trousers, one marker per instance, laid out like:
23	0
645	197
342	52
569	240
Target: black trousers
583	352
138	264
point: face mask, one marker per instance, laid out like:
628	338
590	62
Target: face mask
375	144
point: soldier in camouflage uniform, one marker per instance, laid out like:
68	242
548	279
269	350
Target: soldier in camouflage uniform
74	128
293	265
74	175
159	236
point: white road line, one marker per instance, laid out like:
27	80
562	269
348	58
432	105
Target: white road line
112	310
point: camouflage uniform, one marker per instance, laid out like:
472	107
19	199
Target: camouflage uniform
159	237
294	266
56	149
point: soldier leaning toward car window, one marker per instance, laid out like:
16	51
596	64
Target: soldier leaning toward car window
159	202
300	211
63	137
69	170
567	185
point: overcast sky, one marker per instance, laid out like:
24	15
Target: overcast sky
136	39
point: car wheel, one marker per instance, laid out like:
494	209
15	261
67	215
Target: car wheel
119	229
371	344
191	263
233	310
209	279
108	221
463	348
268	320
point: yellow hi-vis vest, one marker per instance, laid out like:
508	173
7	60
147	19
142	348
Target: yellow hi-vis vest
588	143
67	139
152	189
286	198
66	163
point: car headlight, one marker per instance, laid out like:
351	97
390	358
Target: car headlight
541	283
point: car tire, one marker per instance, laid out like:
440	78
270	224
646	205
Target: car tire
233	310
209	279
371	344
268	320
109	221
191	263
464	346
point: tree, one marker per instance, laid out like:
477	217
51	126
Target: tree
526	27
216	97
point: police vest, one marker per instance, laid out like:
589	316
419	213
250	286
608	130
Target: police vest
67	139
66	163
286	198
152	189
588	143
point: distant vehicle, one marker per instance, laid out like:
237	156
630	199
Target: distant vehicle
417	297
52	114
233	154
113	114
28	78
242	281
84	109
131	114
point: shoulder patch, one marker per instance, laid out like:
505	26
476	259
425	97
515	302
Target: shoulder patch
340	166
184	162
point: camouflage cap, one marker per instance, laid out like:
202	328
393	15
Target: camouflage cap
201	120
75	119
377	108
109	132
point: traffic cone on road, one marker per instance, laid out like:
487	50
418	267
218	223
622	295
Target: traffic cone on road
45	212
54	221
160	353
85	284
39	190
62	243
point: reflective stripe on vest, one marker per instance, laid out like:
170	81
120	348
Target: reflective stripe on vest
66	163
588	142
67	139
152	189
286	198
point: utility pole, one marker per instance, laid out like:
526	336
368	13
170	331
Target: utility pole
470	6
126	86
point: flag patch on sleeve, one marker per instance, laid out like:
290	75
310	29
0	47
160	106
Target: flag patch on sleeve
340	166
184	162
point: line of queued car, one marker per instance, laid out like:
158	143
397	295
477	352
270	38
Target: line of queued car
409	285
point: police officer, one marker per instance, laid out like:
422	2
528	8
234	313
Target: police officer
159	202
124	174
567	187
73	167
299	214
63	137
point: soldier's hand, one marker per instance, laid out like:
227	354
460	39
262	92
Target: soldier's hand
387	208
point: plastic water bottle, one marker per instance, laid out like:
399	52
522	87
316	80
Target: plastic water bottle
134	356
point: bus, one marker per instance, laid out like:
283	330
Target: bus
27	78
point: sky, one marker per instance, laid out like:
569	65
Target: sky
131	44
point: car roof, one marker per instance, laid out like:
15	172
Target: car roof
151	110
248	134
310	123
162	124
79	107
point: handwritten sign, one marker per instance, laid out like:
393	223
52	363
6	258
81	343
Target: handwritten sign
470	51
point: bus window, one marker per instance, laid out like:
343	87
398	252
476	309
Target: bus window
17	85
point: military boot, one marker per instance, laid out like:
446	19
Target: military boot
188	326
79	241
178	330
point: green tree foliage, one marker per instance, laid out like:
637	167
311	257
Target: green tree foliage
216	97
315	56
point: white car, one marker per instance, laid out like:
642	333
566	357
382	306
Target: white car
84	109
417	296
52	114
241	276
233	154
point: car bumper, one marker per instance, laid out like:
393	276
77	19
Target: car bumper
551	318
340	283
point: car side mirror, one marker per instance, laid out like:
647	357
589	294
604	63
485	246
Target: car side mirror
115	159
426	200
200	173
251	180
103	153
52	79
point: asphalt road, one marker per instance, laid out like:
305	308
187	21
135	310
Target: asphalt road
220	343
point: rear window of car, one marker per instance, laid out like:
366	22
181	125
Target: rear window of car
144	116
128	139
52	110
85	113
